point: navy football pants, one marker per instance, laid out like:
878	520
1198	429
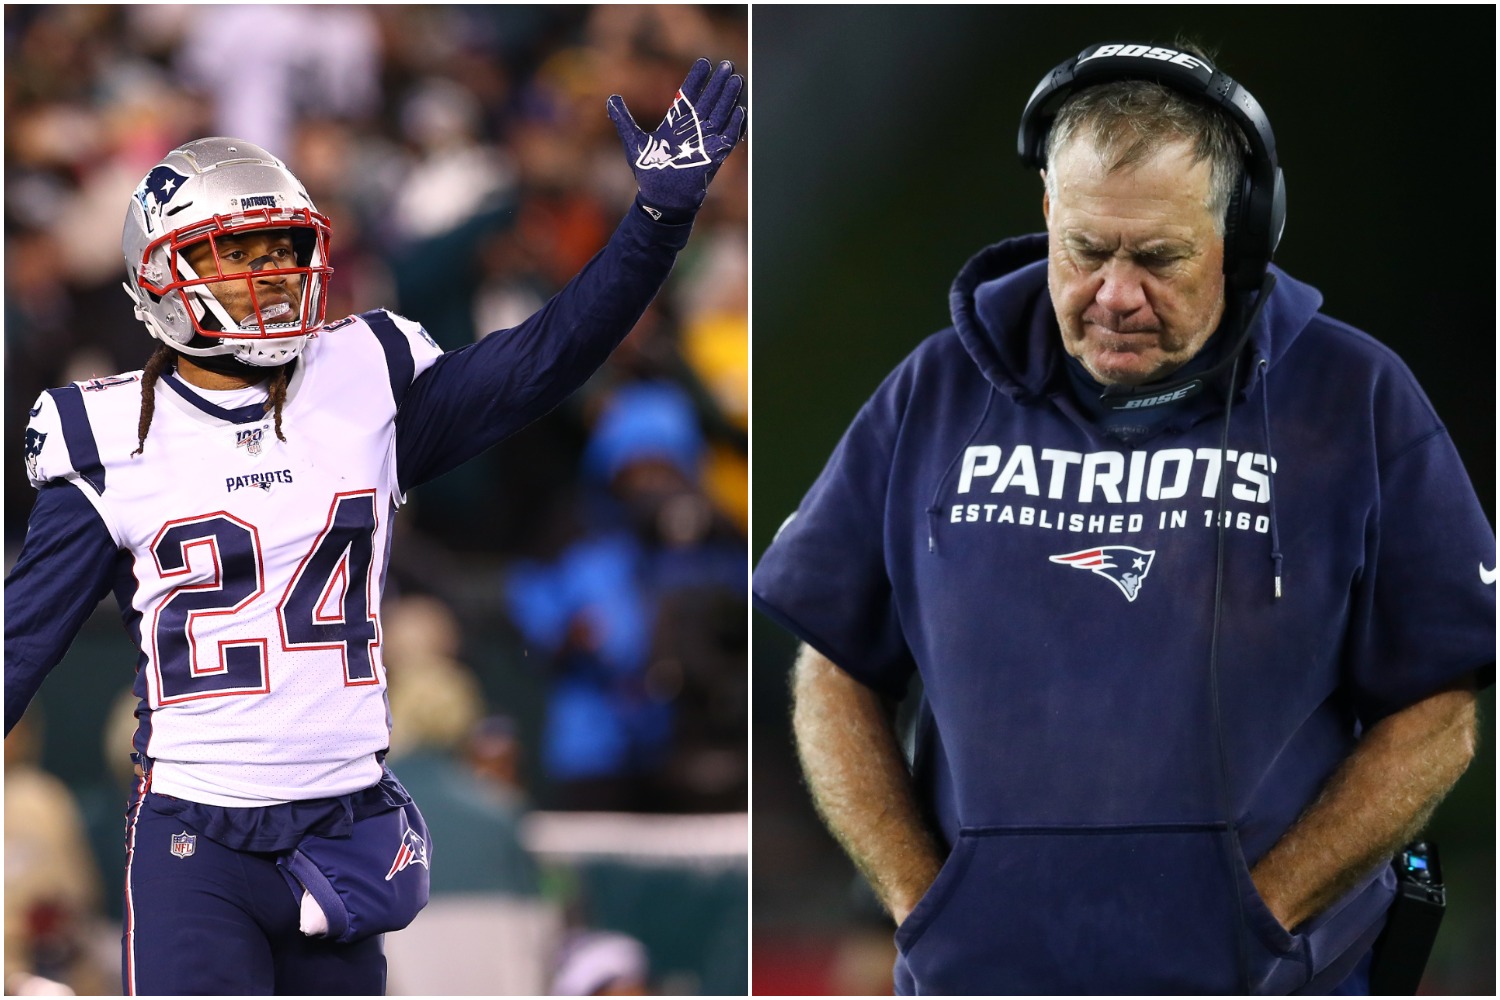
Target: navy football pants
222	922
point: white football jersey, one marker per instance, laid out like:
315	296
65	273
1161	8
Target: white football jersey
258	564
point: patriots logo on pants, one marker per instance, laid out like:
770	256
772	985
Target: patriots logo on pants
413	851
1121	565
661	153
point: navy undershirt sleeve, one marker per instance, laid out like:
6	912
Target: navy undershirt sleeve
65	569
474	397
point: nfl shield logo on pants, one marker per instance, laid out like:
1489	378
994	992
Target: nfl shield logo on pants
184	844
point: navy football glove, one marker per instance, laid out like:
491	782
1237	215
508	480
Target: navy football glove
674	164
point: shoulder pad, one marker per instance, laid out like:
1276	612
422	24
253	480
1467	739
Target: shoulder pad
60	444
409	348
413	330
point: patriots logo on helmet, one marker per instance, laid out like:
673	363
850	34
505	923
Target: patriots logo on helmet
159	187
682	147
413	851
1121	565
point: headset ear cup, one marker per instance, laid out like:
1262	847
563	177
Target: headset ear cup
1232	229
1245	256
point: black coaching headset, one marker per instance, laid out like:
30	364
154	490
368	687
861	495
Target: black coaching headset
1257	208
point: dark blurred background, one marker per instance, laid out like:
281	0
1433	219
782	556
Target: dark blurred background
565	619
885	157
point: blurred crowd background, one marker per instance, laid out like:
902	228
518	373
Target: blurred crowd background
565	620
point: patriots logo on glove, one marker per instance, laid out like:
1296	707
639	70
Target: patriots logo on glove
683	125
674	164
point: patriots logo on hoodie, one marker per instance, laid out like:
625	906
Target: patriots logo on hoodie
1121	565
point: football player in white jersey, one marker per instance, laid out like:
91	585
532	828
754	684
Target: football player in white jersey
237	494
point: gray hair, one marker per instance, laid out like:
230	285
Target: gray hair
1129	121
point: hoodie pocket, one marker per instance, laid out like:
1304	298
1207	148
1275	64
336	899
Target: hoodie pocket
1145	909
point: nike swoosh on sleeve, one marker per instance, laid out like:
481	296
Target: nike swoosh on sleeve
1487	576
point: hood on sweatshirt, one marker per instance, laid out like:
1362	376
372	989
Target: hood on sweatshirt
1003	287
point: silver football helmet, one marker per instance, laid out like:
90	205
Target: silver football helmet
197	195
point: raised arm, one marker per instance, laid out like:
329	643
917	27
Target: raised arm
472	398
859	781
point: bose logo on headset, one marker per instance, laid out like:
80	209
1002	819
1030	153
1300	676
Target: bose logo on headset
1147	52
1257	210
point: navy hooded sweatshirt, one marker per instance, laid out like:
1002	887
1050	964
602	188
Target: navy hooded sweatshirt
1055	589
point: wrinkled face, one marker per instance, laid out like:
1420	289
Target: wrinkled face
1134	262
279	296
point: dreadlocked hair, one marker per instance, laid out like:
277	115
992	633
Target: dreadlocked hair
277	399
160	361
163	359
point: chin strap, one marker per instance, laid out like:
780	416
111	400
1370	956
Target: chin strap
227	364
140	309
